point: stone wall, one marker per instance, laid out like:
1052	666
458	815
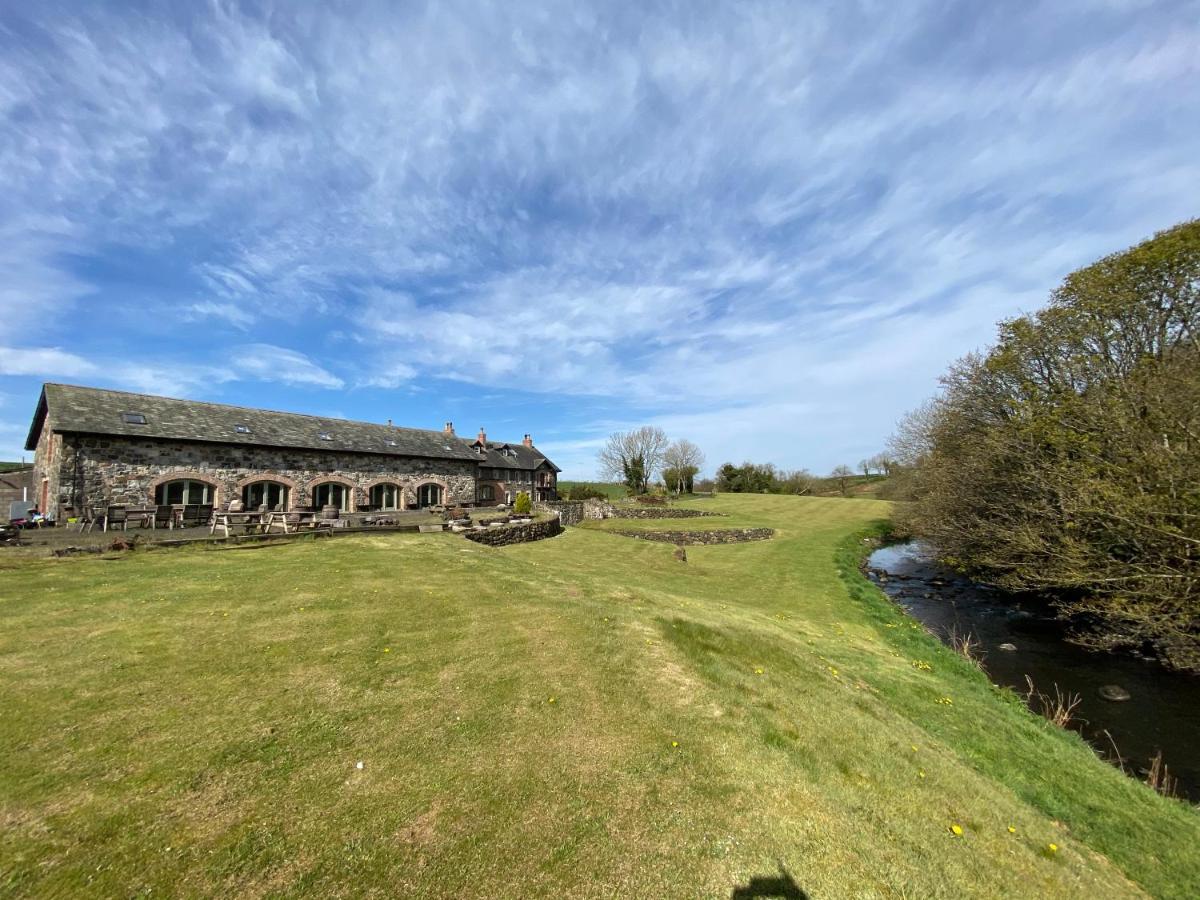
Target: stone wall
570	512
658	512
515	534
597	509
96	469
723	536
602	509
47	472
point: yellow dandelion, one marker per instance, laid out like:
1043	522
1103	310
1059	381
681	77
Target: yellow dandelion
956	829
1011	830
914	747
1053	848
387	649
921	773
674	743
758	671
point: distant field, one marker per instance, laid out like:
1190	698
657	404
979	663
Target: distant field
13	466
856	486
581	717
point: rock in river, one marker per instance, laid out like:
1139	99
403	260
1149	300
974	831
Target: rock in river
1114	693
1008	647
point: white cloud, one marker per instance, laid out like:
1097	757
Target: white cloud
43	362
265	362
235	314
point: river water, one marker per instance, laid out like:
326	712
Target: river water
1162	714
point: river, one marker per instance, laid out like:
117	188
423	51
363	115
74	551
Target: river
1163	712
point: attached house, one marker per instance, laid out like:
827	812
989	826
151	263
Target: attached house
506	470
94	447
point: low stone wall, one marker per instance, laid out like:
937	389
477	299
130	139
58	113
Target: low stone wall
658	512
597	509
515	534
723	536
570	512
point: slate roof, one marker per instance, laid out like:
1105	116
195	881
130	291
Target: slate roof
523	457
87	410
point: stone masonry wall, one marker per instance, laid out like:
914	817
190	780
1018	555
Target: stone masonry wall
96	469
515	534
47	467
724	536
661	512
570	512
602	509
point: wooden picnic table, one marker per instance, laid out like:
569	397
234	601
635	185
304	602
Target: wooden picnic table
294	520
251	519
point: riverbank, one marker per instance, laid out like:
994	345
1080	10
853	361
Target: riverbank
1018	638
587	716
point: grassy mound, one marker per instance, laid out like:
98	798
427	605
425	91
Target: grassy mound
583	717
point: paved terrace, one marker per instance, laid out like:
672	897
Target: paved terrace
45	541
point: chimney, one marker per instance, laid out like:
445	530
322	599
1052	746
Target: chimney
449	428
389	423
482	439
528	442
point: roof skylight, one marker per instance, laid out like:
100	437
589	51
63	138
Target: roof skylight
133	418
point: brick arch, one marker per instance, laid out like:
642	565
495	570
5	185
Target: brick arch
189	475
417	484
255	477
348	483
397	480
267	476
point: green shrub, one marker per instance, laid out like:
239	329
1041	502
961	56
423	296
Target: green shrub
522	506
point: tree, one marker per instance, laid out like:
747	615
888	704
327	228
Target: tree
797	481
1064	459
633	457
865	465
842	474
748	478
882	463
681	464
522	505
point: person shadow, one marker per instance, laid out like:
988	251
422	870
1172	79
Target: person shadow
782	886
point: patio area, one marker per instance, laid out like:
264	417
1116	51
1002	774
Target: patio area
59	539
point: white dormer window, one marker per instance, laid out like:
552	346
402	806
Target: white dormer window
390	442
242	429
325	436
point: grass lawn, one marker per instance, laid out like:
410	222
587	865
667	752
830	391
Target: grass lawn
580	717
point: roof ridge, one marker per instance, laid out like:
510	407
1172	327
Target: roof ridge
257	409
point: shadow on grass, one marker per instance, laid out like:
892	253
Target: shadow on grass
781	885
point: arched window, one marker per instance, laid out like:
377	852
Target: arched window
487	492
385	496
330	493
270	494
429	495
182	492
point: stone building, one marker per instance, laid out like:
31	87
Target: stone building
94	447
506	470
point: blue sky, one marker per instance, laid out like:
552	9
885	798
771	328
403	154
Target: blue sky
766	227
